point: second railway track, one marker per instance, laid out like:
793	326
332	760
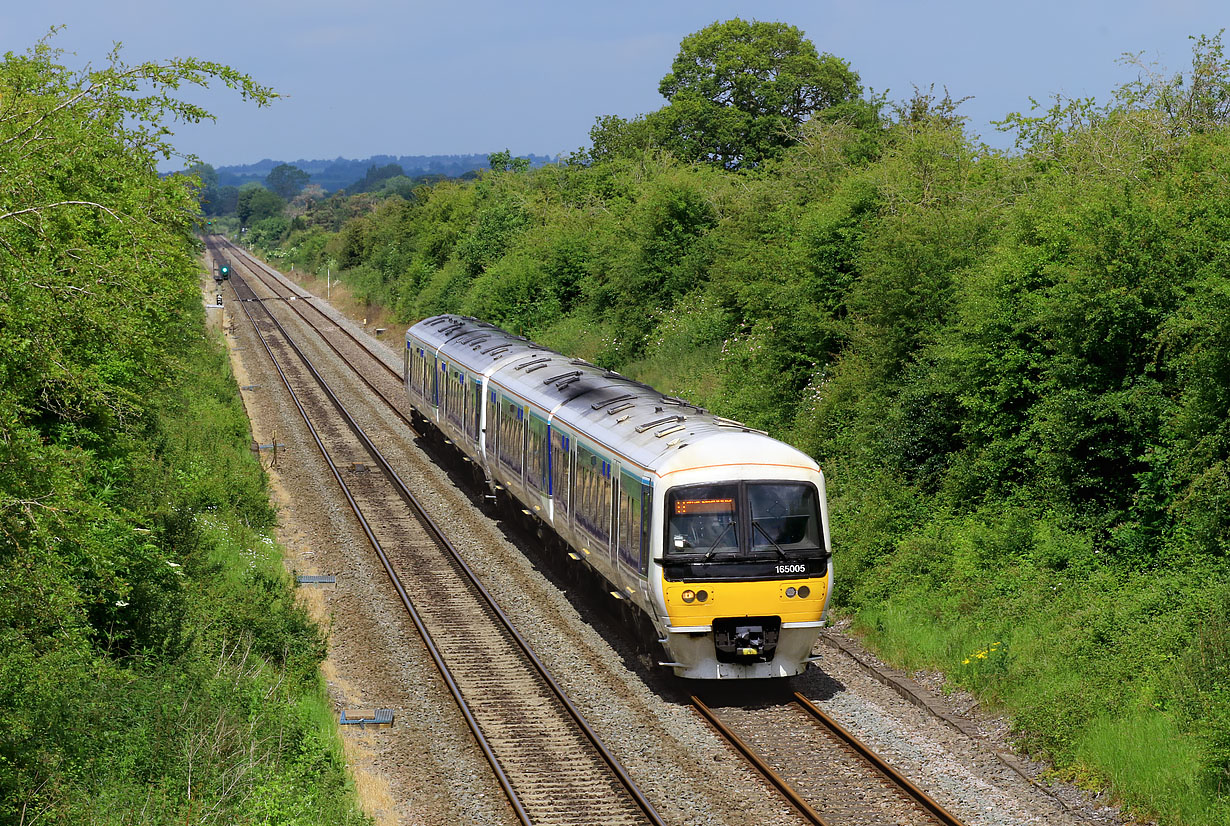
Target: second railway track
828	774
551	763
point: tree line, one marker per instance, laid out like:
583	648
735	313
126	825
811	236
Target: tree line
154	666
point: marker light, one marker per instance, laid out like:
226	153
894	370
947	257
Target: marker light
805	592
790	591
688	596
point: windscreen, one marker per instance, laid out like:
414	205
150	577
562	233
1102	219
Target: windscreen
783	516
703	518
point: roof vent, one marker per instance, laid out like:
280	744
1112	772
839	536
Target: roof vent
664	420
678	402
731	423
625	397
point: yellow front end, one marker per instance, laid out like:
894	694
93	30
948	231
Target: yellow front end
695	609
745	599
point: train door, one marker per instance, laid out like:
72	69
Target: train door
536	454
635	500
442	398
474	417
492	432
561	476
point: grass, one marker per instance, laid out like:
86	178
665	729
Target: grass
1153	765
205	702
1101	666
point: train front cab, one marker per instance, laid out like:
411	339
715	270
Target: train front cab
746	575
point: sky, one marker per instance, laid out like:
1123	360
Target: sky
377	77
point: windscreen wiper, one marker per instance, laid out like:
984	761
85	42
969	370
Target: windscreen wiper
713	548
780	553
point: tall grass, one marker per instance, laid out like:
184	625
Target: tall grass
1153	765
1115	672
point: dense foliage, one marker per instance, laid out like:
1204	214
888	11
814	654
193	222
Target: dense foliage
738	91
1013	367
153	665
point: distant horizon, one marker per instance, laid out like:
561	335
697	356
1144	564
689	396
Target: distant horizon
377	157
446	79
333	174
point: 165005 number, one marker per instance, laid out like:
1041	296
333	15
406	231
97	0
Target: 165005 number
797	568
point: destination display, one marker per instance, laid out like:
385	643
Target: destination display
692	507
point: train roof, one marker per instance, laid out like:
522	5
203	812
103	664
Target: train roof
660	433
475	343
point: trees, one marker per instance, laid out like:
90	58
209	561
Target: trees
503	161
375	178
286	180
738	91
118	427
255	203
80	204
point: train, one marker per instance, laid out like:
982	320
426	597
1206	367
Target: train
711	531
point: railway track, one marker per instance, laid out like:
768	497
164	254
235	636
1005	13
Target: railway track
551	764
373	371
829	775
826	774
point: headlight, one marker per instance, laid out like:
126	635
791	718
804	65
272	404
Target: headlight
790	591
688	596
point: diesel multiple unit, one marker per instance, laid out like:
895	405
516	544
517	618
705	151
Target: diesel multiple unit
718	533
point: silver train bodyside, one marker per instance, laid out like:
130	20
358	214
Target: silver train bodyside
638	484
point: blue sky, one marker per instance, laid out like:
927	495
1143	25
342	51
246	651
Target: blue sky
365	77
